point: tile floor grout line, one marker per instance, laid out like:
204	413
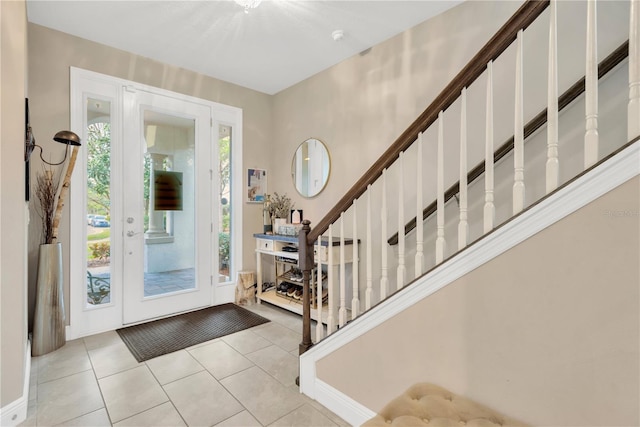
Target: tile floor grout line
119	372
95	376
238	400
148	409
163	389
64	376
137	413
259	367
232	395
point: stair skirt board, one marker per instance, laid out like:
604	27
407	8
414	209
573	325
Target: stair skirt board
621	167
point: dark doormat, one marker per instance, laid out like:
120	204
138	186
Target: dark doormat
153	339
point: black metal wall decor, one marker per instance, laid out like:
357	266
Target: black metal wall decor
29	144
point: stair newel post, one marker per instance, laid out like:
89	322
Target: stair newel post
319	329
463	226
342	311
440	241
553	166
331	317
401	272
419	219
518	132
305	259
591	88
369	292
634	71
489	207
384	274
355	301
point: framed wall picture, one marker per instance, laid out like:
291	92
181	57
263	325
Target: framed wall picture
256	185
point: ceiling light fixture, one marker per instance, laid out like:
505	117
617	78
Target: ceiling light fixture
248	4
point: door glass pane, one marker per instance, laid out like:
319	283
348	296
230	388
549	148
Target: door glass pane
224	214
169	203
98	147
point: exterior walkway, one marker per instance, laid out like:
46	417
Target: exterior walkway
154	283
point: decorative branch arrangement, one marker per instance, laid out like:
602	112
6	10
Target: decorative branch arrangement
46	190
52	203
280	206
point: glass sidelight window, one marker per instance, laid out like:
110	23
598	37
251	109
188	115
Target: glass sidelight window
225	241
98	221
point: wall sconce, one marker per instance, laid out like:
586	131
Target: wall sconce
64	137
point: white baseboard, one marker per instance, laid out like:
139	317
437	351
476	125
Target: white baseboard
342	405
585	189
16	412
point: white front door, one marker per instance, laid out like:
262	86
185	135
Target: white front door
155	203
167	211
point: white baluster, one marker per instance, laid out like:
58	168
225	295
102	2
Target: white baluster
518	133
463	226
331	320
440	242
634	71
553	165
342	311
489	207
319	328
419	221
384	276
591	88
402	270
355	301
369	292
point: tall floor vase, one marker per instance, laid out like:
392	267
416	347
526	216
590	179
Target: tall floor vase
49	320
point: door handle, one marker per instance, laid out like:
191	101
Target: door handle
130	233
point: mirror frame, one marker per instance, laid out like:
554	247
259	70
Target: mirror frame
293	168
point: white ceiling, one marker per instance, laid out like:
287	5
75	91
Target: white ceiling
274	46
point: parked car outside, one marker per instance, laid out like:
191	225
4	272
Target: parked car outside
90	219
100	221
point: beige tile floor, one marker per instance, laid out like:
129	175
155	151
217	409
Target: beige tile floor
244	379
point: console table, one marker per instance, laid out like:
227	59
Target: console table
284	251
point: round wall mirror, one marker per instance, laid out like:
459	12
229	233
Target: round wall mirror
310	167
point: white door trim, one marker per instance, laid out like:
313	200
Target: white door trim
85	321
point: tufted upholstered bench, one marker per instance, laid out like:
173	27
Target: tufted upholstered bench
428	405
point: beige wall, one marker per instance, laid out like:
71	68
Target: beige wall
548	332
13	278
51	53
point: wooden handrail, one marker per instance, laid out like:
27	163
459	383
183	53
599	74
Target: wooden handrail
523	17
607	64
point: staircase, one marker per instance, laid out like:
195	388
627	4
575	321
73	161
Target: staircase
540	176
